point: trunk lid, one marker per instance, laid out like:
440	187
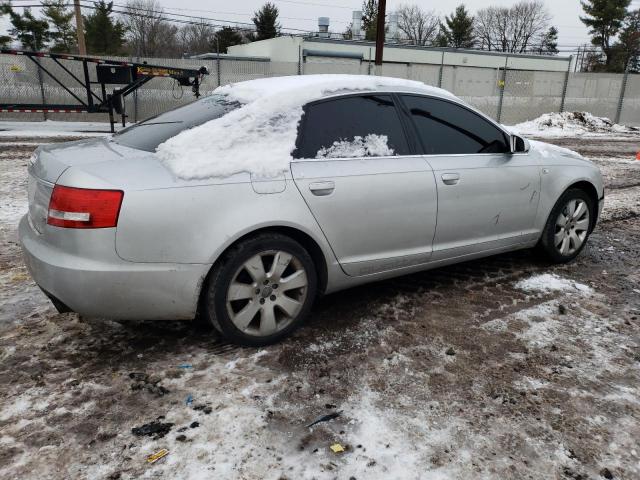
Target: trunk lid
50	161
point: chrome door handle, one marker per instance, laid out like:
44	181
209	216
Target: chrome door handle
322	189
450	178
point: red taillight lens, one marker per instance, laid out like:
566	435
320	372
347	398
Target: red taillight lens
84	208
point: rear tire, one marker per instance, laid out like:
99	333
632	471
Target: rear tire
261	290
568	226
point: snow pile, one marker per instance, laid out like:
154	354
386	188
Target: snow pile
569	124
370	146
260	136
550	282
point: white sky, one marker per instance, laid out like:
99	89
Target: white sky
303	14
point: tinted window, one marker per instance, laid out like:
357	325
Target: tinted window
445	128
150	133
366	125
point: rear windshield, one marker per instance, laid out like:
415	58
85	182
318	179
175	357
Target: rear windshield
150	133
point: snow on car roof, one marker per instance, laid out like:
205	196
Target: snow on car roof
259	137
311	87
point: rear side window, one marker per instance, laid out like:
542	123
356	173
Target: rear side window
150	133
446	128
357	126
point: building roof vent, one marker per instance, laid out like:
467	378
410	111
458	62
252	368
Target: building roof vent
356	25
323	27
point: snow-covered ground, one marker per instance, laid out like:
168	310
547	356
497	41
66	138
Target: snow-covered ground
52	128
501	368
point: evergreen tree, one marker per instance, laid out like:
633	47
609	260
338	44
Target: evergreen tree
224	38
457	30
370	19
266	22
628	47
549	42
31	32
60	16
102	35
4	39
604	19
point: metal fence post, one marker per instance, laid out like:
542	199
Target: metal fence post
502	84
299	59
218	69
623	89
42	95
441	70
566	84
369	65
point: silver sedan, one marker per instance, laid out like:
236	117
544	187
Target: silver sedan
381	181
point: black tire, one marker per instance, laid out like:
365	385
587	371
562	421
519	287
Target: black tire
215	308
547	241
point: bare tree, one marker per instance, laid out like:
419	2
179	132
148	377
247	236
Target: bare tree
418	26
149	33
514	29
197	38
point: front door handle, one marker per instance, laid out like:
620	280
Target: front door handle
450	178
322	189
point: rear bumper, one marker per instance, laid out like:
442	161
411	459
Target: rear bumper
110	287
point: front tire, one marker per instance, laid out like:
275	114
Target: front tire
568	226
261	290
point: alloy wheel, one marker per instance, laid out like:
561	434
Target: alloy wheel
572	226
267	293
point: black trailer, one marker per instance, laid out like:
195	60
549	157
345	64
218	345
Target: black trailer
130	75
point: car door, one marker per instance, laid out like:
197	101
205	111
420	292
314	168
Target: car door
375	202
487	196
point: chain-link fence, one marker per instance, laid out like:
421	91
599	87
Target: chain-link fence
510	96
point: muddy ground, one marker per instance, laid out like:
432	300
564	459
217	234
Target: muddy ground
505	368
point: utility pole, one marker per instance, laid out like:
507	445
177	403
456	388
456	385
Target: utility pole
382	6
82	48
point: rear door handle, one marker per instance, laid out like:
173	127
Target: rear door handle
450	178
322	189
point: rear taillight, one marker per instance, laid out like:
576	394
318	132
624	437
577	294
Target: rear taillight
84	208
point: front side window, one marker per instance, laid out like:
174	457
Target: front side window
150	133
350	127
446	128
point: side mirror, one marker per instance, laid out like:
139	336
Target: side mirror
518	144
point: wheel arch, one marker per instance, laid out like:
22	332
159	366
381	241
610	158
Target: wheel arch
303	238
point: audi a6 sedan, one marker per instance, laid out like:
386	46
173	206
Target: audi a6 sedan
244	206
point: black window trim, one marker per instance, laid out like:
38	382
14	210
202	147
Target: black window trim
409	133
406	112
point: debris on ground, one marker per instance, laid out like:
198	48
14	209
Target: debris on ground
155	429
450	351
185	366
337	448
189	400
606	473
153	458
325	418
150	383
206	409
